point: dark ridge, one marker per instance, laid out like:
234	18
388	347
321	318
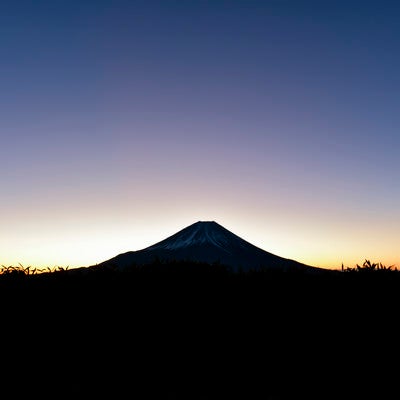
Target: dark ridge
184	330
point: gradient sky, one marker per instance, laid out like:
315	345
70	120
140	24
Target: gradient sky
123	122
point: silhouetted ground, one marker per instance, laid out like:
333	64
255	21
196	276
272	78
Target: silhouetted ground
197	332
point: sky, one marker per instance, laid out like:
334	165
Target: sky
122	122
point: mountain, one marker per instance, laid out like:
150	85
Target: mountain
208	242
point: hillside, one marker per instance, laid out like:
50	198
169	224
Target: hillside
199	331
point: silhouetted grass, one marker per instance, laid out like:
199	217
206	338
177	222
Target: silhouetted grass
192	330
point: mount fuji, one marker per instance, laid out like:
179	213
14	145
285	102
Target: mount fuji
208	242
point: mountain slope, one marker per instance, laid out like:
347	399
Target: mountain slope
209	242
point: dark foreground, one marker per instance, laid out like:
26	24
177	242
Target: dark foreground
198	332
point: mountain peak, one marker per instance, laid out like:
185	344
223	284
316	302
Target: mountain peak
209	242
199	233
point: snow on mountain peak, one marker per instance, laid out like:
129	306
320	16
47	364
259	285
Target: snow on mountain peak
199	233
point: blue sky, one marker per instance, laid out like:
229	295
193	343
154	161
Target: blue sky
124	121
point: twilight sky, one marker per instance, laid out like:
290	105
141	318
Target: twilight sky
123	122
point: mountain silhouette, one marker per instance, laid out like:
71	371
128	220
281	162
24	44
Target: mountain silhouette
208	242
